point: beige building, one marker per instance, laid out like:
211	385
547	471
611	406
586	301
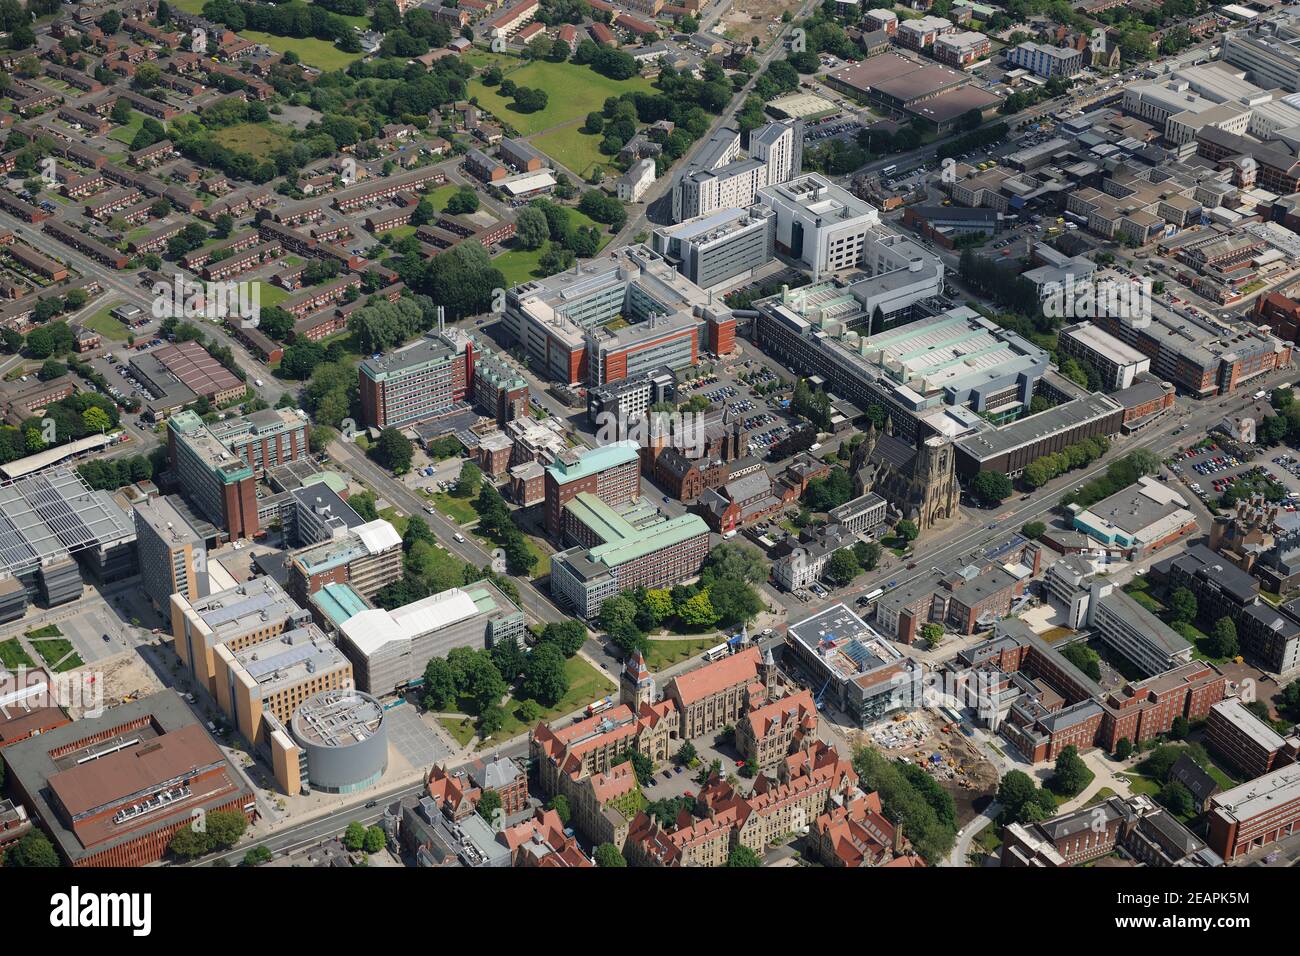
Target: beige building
236	618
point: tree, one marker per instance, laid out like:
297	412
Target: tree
1033	530
990	488
462	202
470	481
568	636
545	677
1123	748
733	559
1180	728
488	805
932	633
32	851
607	854
51	369
560	804
375	839
1223	638
257	855
743	856
225	827
354	837
697	612
531	228
907	530
1017	792
868	554
733	600
842	567
1071	773
1084	658
96	419
1182	603
686	753
1177	799
394	451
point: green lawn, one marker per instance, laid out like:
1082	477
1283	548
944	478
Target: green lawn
438	197
664	653
125	134
573	91
49	642
585	685
258	140
401	232
12	654
520	265
107	326
580	218
318	53
459	510
571	147
398	521
269	295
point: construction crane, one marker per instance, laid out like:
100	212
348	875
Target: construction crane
821	693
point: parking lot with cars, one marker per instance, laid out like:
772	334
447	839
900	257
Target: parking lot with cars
1212	469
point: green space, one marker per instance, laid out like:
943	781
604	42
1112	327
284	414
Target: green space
572	91
543	565
459	510
269	295
990	839
107	326
398	521
438	197
126	133
585	685
189	6
667	652
13	656
1105	793
401	232
258	140
572	148
55	649
579	218
318	53
520	265
480	59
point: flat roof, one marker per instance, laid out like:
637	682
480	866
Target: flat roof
1233	711
1260	795
52	514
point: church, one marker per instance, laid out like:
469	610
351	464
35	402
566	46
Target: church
919	483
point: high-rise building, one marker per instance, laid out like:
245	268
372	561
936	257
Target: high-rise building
715	249
822	225
718	177
173	559
217	466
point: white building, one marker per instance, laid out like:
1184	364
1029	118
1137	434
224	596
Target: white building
633	184
821	224
720	177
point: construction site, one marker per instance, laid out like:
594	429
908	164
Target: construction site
928	740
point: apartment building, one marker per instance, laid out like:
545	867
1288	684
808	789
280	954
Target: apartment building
1119	364
610	473
1246	742
1046	61
417	382
718	177
173	558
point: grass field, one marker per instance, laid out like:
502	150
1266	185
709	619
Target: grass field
664	653
573	91
107	326
519	265
269	295
125	134
571	147
55	649
585	685
459	510
12	654
438	197
318	53
258	140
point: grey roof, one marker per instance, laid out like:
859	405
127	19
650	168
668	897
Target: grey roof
494	775
1151	628
1192	776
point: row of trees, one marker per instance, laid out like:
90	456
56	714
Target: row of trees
1079	455
497	522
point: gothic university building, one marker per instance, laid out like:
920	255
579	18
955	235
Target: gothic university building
920	483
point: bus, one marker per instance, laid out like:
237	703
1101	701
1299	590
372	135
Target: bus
889	170
869	599
596	706
716	653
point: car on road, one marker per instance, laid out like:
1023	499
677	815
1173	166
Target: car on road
459	537
107	639
371	804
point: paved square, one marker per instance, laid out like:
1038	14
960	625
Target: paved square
419	745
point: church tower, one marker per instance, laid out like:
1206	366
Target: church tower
636	683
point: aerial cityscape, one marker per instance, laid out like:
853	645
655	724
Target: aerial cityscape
655	433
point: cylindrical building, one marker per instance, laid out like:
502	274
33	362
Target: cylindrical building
345	738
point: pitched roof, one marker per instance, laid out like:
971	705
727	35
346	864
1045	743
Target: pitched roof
738	669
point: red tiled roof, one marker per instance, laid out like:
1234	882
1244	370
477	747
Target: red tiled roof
737	670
